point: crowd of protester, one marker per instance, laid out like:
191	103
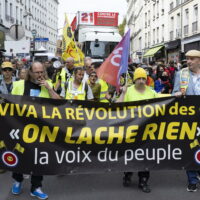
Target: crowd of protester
22	77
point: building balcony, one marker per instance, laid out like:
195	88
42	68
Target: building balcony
186	28
194	27
171	35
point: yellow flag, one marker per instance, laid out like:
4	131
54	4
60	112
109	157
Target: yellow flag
19	148
69	47
2	144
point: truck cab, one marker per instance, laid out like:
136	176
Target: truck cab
97	33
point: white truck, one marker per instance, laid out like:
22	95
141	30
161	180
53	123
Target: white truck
97	33
19	48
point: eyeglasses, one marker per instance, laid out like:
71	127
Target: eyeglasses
7	69
95	76
41	72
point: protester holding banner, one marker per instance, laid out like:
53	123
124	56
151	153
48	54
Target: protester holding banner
139	91
36	85
6	83
76	88
187	82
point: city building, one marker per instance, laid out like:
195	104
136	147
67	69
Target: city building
163	30
35	16
184	21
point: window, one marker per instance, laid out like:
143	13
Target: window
158	35
186	16
177	2
195	23
21	16
154	11
172	23
157	9
149	38
171	5
6	8
0	12
196	12
172	29
140	44
154	35
17	13
11	10
163	32
145	40
149	18
178	22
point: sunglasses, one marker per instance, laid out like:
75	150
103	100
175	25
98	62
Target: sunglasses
7	69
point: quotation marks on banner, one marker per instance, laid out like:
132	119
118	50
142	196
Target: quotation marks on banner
14	134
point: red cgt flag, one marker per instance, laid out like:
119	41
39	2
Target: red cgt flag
117	62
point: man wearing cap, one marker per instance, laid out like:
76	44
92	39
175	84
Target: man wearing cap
6	83
187	82
139	91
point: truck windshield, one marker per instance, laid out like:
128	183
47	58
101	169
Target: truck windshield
98	49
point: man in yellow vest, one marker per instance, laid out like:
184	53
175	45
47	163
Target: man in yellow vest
36	85
187	82
76	88
66	73
139	91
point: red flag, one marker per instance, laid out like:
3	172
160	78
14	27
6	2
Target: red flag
116	63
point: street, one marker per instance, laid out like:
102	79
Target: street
165	185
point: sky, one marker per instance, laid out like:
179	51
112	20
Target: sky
70	7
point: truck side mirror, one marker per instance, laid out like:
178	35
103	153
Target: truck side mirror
96	43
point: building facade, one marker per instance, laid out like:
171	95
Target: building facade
168	29
38	15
